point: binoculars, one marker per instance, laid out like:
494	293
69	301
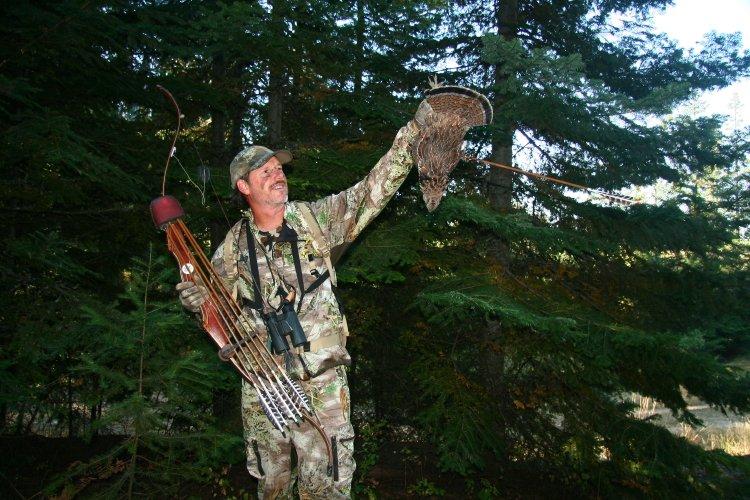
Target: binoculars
282	324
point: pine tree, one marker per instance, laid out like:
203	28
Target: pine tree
82	149
141	359
535	326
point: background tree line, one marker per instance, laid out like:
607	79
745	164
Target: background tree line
520	315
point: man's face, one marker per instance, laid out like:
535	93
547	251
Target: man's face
265	185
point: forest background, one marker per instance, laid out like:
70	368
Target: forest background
497	342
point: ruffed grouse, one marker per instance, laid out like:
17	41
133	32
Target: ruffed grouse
438	147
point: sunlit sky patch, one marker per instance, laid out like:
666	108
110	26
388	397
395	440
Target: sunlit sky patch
686	22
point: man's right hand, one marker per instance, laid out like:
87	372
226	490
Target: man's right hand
192	296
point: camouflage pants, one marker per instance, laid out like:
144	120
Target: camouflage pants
269	453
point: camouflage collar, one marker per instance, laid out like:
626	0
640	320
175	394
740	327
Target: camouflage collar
264	237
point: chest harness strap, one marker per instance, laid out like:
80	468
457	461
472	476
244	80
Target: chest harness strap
321	246
287	234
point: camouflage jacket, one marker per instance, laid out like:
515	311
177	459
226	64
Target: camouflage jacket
341	218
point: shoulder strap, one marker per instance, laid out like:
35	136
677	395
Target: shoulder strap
319	240
257	302
297	266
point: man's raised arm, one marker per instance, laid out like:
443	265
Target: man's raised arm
343	216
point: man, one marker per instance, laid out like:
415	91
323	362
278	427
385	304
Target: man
280	247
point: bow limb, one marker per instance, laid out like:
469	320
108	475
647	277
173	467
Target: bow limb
171	98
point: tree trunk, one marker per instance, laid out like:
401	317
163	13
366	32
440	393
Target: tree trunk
500	194
275	107
95	407
359	64
218	117
71	422
222	154
274	137
239	108
499	181
235	144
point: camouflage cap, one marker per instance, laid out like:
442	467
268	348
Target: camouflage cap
254	157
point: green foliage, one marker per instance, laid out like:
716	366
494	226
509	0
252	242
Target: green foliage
528	327
425	488
151	369
367	454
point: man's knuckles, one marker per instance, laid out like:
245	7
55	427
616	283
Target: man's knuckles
192	296
194	290
189	288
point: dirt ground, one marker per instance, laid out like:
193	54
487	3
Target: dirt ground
29	463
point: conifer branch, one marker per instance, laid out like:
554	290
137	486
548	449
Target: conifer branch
137	429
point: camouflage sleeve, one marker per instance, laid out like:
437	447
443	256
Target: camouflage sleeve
225	258
343	216
217	261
